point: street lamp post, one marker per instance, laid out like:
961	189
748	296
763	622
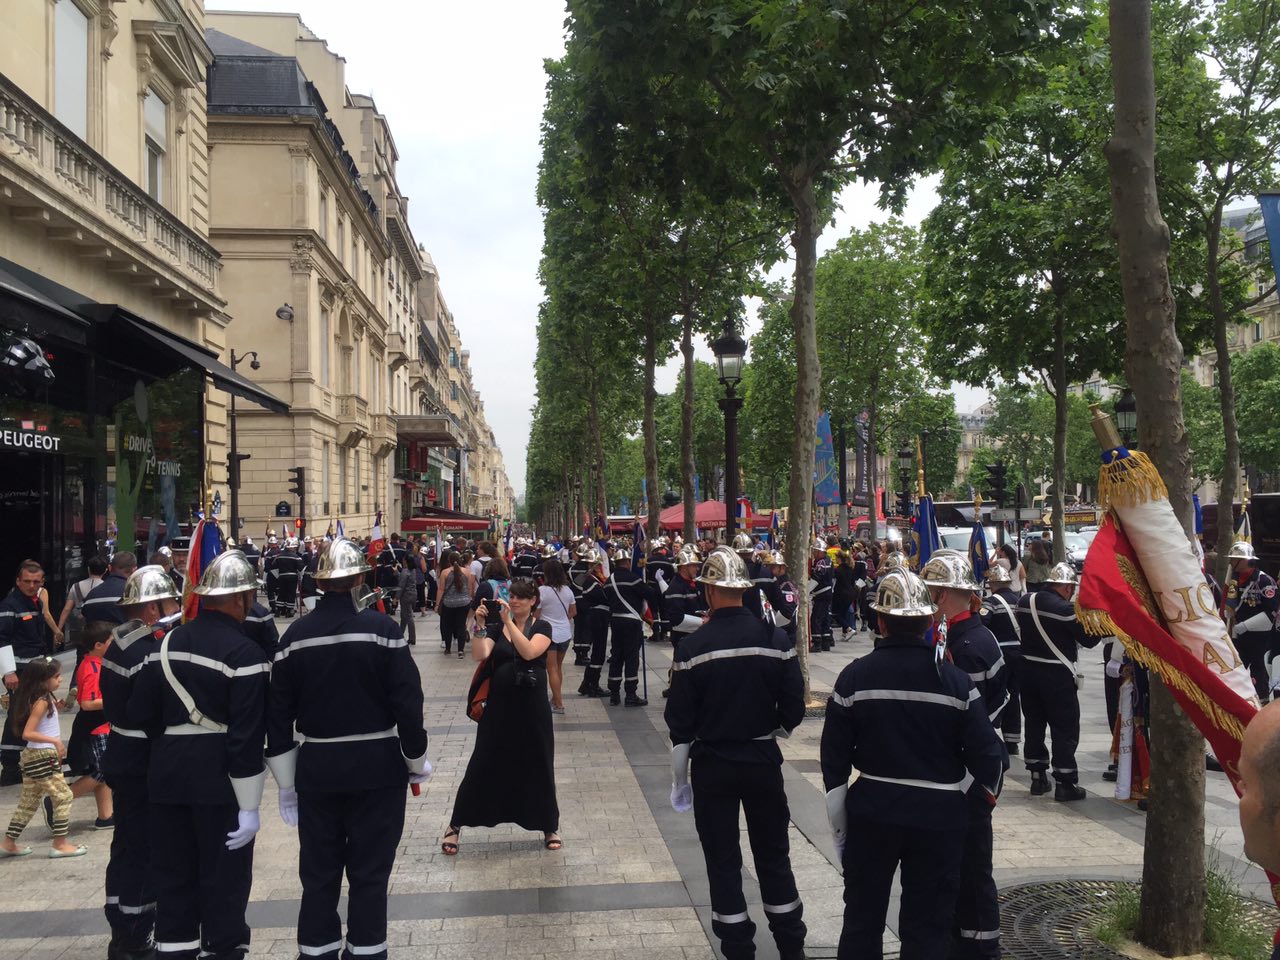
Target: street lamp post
1127	416
904	480
237	457
731	351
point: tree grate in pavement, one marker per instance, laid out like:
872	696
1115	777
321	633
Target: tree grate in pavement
1056	920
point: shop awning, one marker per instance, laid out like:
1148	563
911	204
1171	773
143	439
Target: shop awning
184	351
438	518
37	305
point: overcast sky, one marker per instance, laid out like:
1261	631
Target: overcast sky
462	86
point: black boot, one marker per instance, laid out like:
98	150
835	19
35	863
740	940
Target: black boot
1013	749
615	695
117	951
1110	773
1066	792
634	699
1039	783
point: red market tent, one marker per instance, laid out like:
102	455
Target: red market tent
707	515
438	518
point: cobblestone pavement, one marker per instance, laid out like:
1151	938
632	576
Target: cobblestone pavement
630	881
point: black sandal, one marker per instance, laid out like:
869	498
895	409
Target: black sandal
552	842
450	847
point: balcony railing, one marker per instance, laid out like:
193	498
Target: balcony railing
46	150
353	419
397	352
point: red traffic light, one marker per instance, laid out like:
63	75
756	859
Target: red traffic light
298	523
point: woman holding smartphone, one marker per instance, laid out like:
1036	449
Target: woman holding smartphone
510	777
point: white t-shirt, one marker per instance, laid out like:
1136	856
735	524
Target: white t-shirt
553	607
477	568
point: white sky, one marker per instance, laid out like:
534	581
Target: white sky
462	87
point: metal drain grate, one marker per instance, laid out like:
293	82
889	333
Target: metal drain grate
1055	920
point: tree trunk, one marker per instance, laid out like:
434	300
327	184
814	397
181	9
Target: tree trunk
808	382
597	449
650	428
1226	399
1171	917
1059	380
686	430
843	460
873	467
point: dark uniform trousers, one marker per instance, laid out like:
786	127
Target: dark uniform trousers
1049	698
977	917
720	788
355	833
627	635
1253	647
131	902
930	861
597	627
1011	719
820	622
202	888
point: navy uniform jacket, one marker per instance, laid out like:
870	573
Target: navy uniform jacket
524	565
824	576
128	749
253	555
23	633
287	564
1058	618
260	627
918	733
683	606
974	650
751	598
1002	619
626	585
735	685
103	601
1257	594
226	675
349	683
782	596
592	603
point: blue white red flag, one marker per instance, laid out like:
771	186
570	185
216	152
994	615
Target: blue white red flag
638	543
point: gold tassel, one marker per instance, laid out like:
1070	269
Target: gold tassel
1098	623
1130	481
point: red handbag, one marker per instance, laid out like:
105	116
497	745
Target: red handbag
478	695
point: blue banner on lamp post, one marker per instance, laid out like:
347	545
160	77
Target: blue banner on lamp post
1270	204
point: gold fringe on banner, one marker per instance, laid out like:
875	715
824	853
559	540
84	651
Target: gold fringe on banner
1098	623
1130	481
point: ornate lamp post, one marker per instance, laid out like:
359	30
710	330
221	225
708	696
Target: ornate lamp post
731	352
1127	417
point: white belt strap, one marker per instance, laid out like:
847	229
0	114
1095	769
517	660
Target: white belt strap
962	785
1017	630
631	611
1053	647
188	702
352	738
126	732
192	729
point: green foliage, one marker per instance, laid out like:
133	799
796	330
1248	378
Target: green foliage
708	429
1120	918
768	388
623	472
1023	425
1257	379
1203	416
932	417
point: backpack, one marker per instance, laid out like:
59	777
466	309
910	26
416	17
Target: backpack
478	694
501	589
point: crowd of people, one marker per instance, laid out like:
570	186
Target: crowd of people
179	724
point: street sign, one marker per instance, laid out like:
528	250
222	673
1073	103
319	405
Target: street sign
283	509
1031	514
1079	516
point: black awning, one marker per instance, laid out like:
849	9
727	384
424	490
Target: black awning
186	352
33	304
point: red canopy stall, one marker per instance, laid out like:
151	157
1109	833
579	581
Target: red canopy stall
450	521
707	515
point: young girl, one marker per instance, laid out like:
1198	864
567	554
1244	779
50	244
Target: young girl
33	713
90	730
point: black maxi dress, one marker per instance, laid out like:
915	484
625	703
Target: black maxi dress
510	777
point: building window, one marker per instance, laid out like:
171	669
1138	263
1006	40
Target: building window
71	67
453	390
1257	332
324	214
453	359
341	251
155	115
355	255
324	347
325	468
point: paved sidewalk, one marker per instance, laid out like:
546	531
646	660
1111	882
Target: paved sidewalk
630	881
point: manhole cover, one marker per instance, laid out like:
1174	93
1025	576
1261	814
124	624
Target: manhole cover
1056	920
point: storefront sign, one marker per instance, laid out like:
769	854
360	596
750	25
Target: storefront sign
30	440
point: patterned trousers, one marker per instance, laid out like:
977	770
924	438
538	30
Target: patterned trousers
41	777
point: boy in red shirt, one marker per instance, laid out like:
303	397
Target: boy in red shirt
90	730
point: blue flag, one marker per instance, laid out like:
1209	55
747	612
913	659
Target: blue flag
1195	504
826	474
697	489
1270	203
924	534
638	542
978	558
773	530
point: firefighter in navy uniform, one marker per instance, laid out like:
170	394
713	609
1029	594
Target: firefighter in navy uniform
1051	638
745	547
1000	617
1251	601
820	639
260	627
684	601
593	613
781	593
149	597
735	688
917	730
627	595
268	570
525	561
24	636
579	576
202	697
103	601
344	786
974	649
660	572
288	564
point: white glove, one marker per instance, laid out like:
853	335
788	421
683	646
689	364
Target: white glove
681	797
838	841
661	580
838	817
1258	622
424	776
1113	669
289	806
243	835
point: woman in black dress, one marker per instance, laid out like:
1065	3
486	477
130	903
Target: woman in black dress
511	775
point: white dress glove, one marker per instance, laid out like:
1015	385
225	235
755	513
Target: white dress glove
681	797
681	789
289	806
248	828
424	776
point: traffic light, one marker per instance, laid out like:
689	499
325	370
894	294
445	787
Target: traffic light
904	503
236	460
298	485
298	523
996	479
